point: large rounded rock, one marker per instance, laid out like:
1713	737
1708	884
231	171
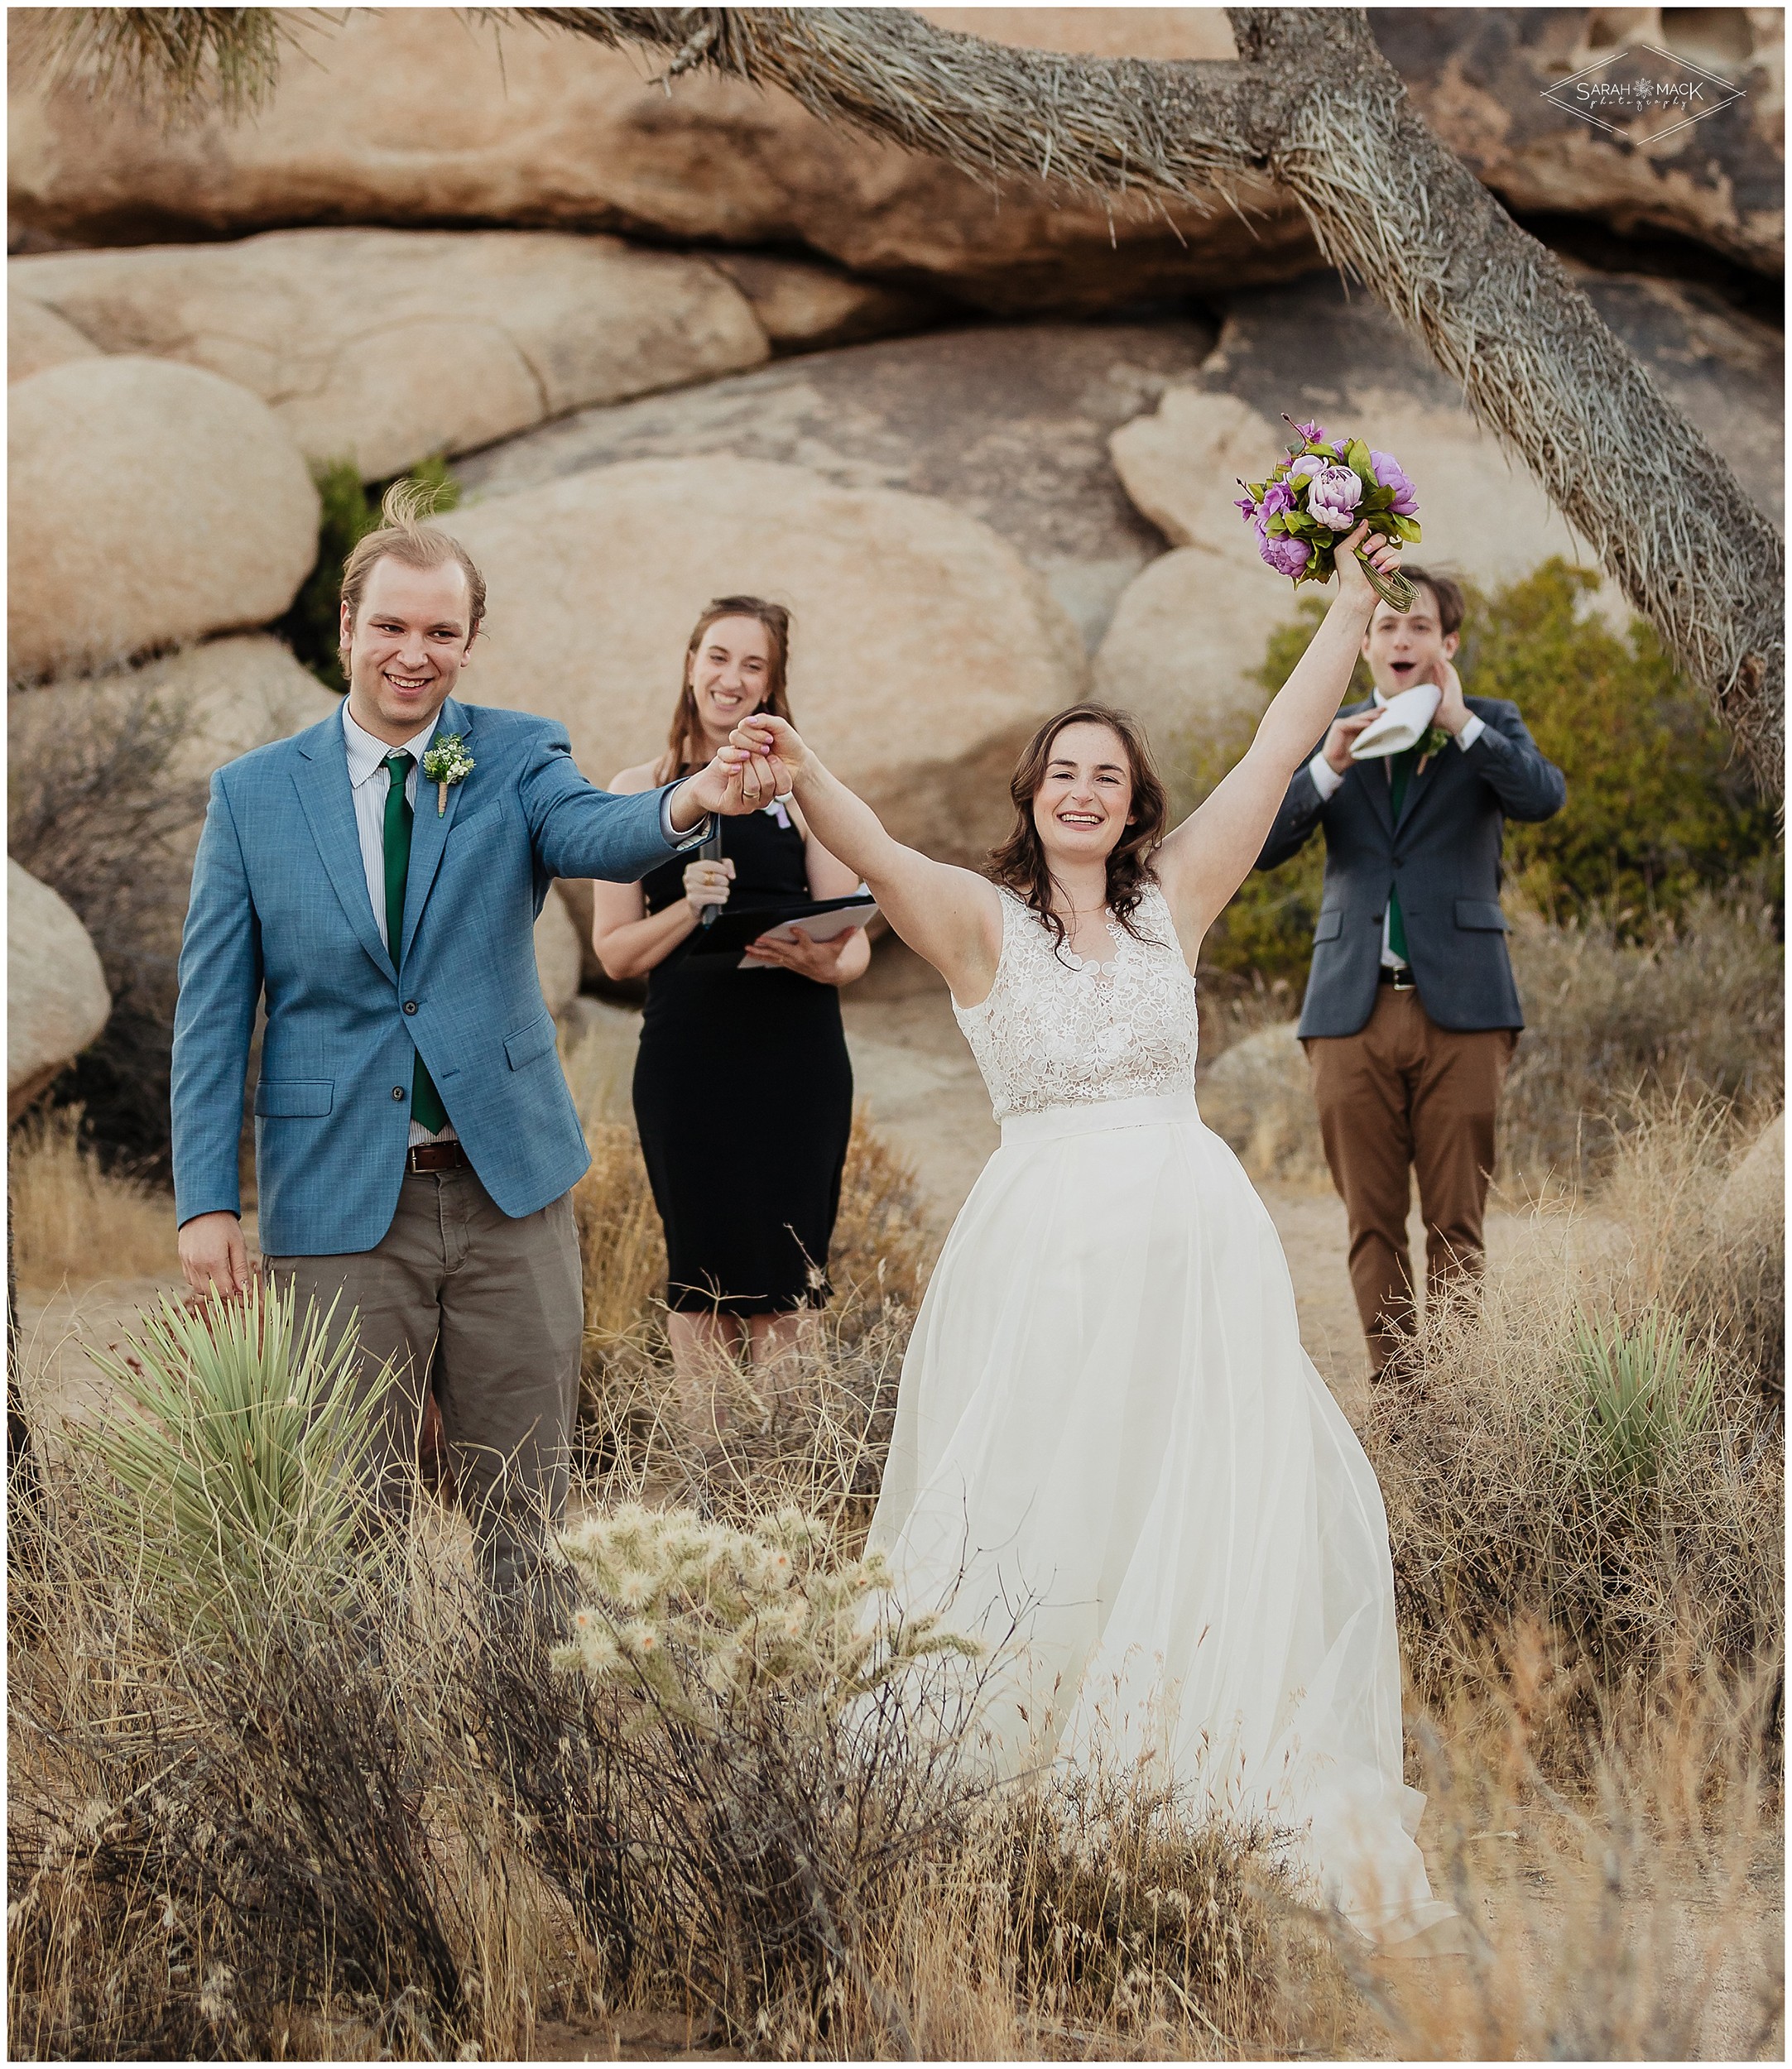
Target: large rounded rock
380	347
562	134
150	504
38	338
559	956
1008	423
1482	76
57	997
1257	1096
924	650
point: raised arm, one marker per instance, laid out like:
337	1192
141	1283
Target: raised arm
951	916
1207	858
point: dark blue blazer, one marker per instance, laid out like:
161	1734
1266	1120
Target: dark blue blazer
1444	855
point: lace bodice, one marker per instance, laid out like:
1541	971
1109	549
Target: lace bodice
1060	1031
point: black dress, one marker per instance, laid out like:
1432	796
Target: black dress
743	1097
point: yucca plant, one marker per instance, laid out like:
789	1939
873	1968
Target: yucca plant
1643	1396
238	1444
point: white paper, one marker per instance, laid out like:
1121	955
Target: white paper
824	927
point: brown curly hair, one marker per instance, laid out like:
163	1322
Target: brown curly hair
1020	863
685	729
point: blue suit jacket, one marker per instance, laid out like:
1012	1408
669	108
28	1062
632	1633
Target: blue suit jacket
1445	854
280	908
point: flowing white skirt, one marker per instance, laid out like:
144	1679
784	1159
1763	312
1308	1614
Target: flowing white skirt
1110	1443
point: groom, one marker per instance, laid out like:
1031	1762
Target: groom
1411	1016
415	1144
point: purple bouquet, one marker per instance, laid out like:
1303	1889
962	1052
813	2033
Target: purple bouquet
1321	490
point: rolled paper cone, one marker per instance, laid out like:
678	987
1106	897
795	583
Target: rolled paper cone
441	799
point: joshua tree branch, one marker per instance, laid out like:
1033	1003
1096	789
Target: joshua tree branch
1312	102
1309	102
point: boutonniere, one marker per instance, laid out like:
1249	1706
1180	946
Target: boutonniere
1436	739
446	761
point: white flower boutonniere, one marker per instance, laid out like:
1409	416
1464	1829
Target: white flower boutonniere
1436	739
446	761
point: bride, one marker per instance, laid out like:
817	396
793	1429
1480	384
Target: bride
1108	1439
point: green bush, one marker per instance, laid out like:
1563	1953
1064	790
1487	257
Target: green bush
1659	810
349	512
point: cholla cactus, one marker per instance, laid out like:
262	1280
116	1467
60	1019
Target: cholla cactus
747	1609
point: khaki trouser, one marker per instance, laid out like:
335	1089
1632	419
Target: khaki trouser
1400	1095
491	1311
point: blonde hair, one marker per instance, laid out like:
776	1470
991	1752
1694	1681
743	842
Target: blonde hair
407	537
685	727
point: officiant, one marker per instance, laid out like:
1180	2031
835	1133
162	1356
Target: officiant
747	1253
1411	1015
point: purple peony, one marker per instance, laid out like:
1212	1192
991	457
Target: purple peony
1247	504
1333	497
1286	556
1307	465
1391	474
1278	499
1313	434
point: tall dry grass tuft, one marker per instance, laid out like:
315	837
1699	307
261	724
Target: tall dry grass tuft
812	1430
1698	1007
1589	1447
75	1222
1632	1916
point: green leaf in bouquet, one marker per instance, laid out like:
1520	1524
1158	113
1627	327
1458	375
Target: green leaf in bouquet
1409	529
1357	455
1257	489
1374	501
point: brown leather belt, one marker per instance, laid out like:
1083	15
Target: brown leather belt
436	1156
1402	980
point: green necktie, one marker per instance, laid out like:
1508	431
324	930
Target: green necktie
426	1105
1403	765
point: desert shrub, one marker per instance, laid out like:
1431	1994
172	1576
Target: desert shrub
1117	1905
1658	811
97	809
815	1433
1697	1005
1588	1445
347	512
72	1218
217	1848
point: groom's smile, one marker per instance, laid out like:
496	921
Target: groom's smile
406	646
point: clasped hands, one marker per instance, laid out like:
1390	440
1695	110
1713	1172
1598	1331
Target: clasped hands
745	776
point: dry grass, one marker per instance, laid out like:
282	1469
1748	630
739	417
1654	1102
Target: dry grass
1509	1502
1700	1008
399	1828
74	1222
1611	1024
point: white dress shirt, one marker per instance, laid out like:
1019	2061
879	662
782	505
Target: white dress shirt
369	781
1328	782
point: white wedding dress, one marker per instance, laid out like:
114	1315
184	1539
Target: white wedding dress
1110	1443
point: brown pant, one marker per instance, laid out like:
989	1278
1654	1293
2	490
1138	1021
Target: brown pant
497	1306
1404	1093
